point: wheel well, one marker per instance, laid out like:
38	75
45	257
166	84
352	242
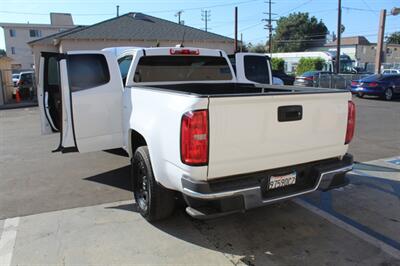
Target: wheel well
137	140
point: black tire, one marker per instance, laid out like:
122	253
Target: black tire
388	95
153	200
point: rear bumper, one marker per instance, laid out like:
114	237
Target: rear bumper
239	193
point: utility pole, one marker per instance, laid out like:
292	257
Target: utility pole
268	26
117	10
338	38
178	14
241	42
236	30
206	17
379	46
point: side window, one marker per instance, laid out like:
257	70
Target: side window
87	71
124	64
53	77
256	68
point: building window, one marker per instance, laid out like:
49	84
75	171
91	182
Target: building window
12	50
35	33
12	33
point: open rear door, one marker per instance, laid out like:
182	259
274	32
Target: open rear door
90	117
253	68
49	93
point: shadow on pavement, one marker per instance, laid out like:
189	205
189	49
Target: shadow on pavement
118	178
119	152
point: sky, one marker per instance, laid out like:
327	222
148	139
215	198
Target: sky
360	17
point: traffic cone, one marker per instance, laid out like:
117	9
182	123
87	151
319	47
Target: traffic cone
17	96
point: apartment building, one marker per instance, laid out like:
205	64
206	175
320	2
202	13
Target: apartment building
17	35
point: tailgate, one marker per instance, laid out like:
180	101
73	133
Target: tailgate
246	136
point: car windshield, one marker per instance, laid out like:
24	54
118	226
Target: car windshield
15	76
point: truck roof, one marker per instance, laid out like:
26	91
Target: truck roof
117	51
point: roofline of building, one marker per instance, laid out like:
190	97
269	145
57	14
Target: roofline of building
71	31
219	35
55	35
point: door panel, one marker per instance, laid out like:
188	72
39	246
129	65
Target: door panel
92	93
49	93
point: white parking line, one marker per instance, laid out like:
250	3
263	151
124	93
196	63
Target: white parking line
349	228
7	241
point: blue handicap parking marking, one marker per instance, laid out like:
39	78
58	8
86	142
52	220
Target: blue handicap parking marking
394	161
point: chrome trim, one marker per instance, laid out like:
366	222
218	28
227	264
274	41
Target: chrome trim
217	195
257	190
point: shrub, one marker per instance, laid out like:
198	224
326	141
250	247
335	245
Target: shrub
309	64
278	64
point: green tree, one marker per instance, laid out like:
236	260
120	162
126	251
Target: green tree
393	38
297	32
257	48
309	64
278	64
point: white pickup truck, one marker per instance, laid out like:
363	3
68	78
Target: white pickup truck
191	129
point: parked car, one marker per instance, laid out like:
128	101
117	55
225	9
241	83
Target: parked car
287	79
15	79
191	128
308	78
385	86
391	71
25	83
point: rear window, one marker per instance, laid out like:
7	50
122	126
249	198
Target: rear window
182	68
256	69
87	71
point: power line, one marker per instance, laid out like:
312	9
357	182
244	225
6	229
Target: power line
156	11
296	7
359	9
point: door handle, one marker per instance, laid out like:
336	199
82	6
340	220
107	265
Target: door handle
290	113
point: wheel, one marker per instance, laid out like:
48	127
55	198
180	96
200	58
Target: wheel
153	200
388	94
360	95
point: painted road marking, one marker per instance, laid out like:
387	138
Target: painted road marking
7	240
395	161
349	228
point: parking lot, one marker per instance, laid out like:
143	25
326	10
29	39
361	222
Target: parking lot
78	209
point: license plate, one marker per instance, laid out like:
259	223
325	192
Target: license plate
282	180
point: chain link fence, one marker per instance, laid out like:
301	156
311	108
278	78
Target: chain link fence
336	81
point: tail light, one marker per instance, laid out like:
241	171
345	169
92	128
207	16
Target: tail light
354	83
184	51
309	78
373	84
194	138
351	122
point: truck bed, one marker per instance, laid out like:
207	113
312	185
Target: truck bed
238	89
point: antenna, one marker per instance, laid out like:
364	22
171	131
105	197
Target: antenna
178	14
206	17
183	39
